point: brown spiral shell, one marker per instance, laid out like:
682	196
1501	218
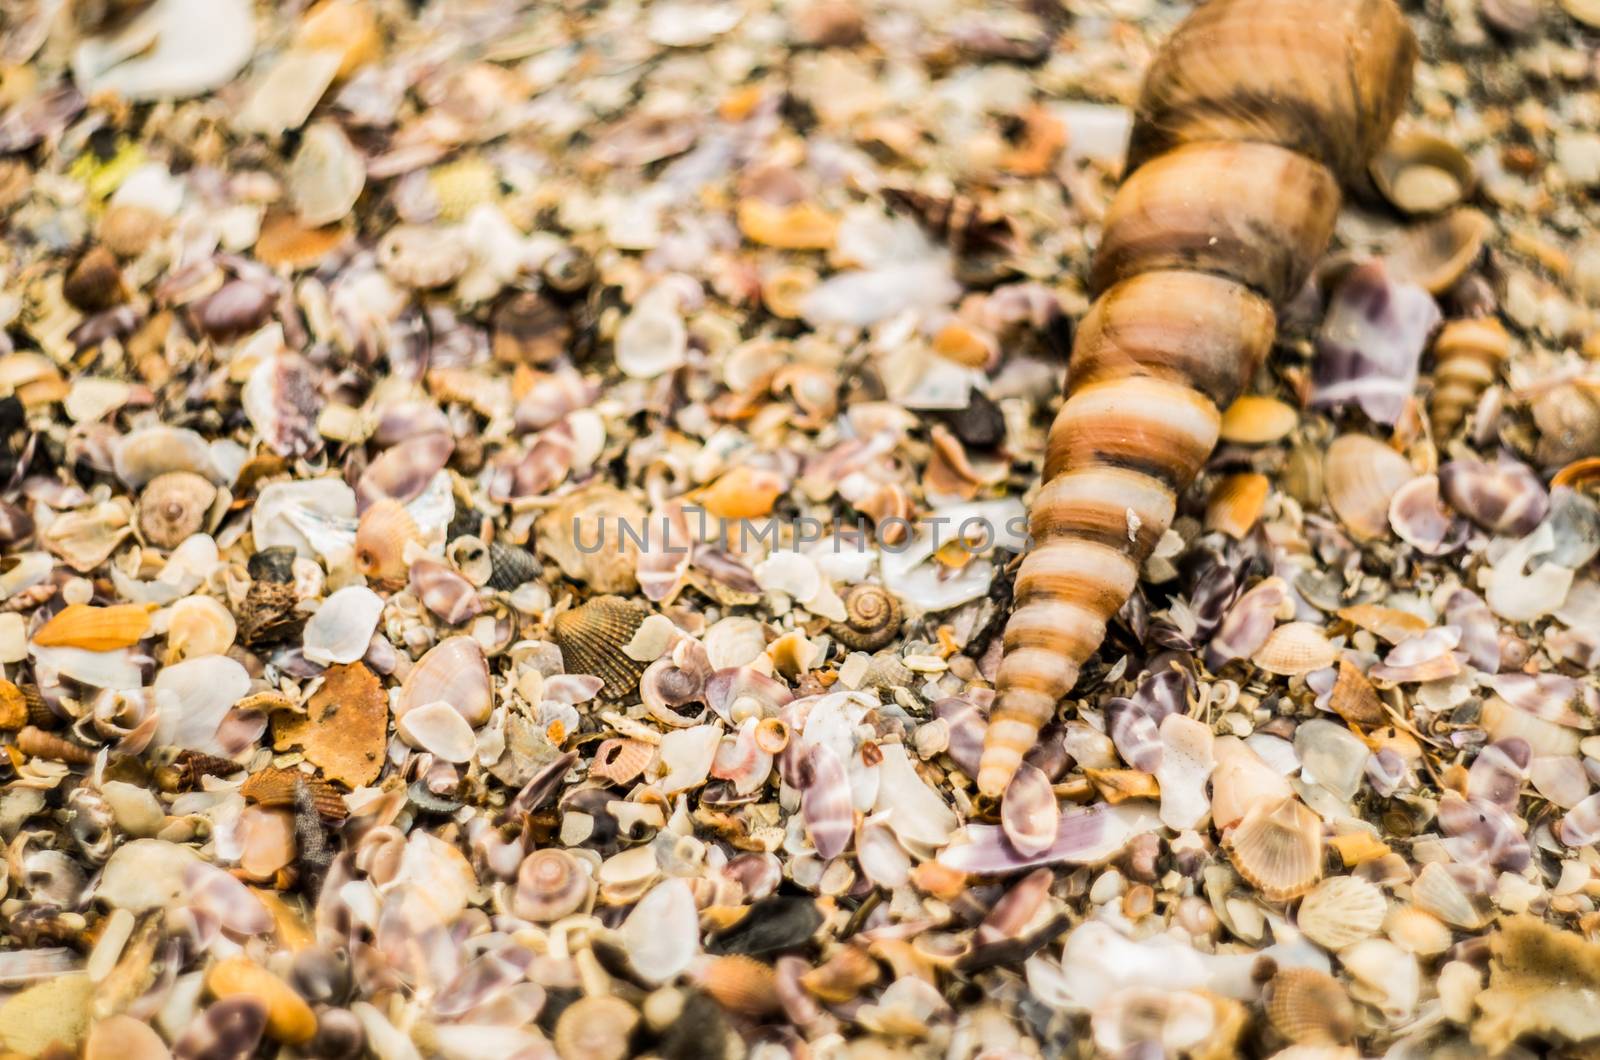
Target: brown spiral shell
1251	116
173	506
872	618
551	884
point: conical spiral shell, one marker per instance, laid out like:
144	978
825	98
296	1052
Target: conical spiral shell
1466	359
872	618
1250	117
591	639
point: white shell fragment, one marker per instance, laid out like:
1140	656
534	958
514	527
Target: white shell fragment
342	628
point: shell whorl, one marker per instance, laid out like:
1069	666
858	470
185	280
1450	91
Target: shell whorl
1250	118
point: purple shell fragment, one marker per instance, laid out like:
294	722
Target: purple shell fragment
1087	837
1371	342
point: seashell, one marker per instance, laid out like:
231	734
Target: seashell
873	616
34	742
687	756
1422	174
772	735
423	257
276	789
266	842
1505	498
85	538
621	760
1371	342
843	976
551	884
403	471
384	531
1248	623
1574	522
1294	649
743	492
1340	911
174	50
142	455
800	226
282	401
342	628
454	671
288	1018
596	1028
326	175
1277	848
199	625
529	328
94	282
1421	521
1354	699
510	566
231	1027
1186	764
285	242
742	761
662	933
235	309
1029	814
1467	356
1436	891
1362	477
1417	931
825	801
1436	254
652	339
591	639
1257	420
1235	504
734	641
173	506
568	271
124	1038
127	230
1567	415
444	592
738	983
439	729
94	628
1309	1007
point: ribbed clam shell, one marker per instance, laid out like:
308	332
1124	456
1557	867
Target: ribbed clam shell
551	884
382	534
620	760
94	628
592	638
274	787
1277	847
1341	910
1437	891
402	471
738	983
1295	648
444	592
1029	813
173	506
455	671
1309	1007
1362	477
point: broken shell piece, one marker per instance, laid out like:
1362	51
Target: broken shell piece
444	592
1029	813
1363	475
1505	497
175	49
662	934
1420	520
1295	648
825	801
1437	254
1384	976
1186	765
1436	890
1423	174
1467	357
1236	503
342	628
423	257
1278	848
1341	911
620	761
326	176
439	729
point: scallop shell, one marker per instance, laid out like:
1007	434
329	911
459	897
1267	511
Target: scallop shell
1256	420
342	629
738	983
1437	254
174	506
1362	477
1295	648
620	760
94	628
591	639
1423	174
384	531
1437	891
274	787
596	1028
1309	1007
454	671
873	616
1277	847
1340	911
551	884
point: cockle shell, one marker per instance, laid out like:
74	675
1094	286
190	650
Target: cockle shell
1295	648
1362	476
173	506
1277	847
591	639
342	628
1340	911
551	884
738	983
1437	891
1309	1007
454	671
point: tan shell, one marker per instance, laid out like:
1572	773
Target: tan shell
174	506
551	884
620	760
1389	623
1354	699
873	616
1278	849
772	735
1340	911
1256	420
382	535
1362	476
95	628
1236	502
1309	1007
739	984
1422	174
592	638
423	257
595	1028
1435	255
199	625
584	536
289	1019
94	282
1437	892
285	241
1295	648
274	787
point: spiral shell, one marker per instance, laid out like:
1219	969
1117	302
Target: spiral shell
173	506
551	884
596	1028
1309	1007
1467	357
872	618
592	638
510	566
1249	118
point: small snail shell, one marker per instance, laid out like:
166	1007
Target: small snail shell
551	884
872	618
174	506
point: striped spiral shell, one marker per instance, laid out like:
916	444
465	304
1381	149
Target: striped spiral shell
1250	117
872	618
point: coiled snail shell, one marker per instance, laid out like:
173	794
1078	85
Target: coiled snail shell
872	618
